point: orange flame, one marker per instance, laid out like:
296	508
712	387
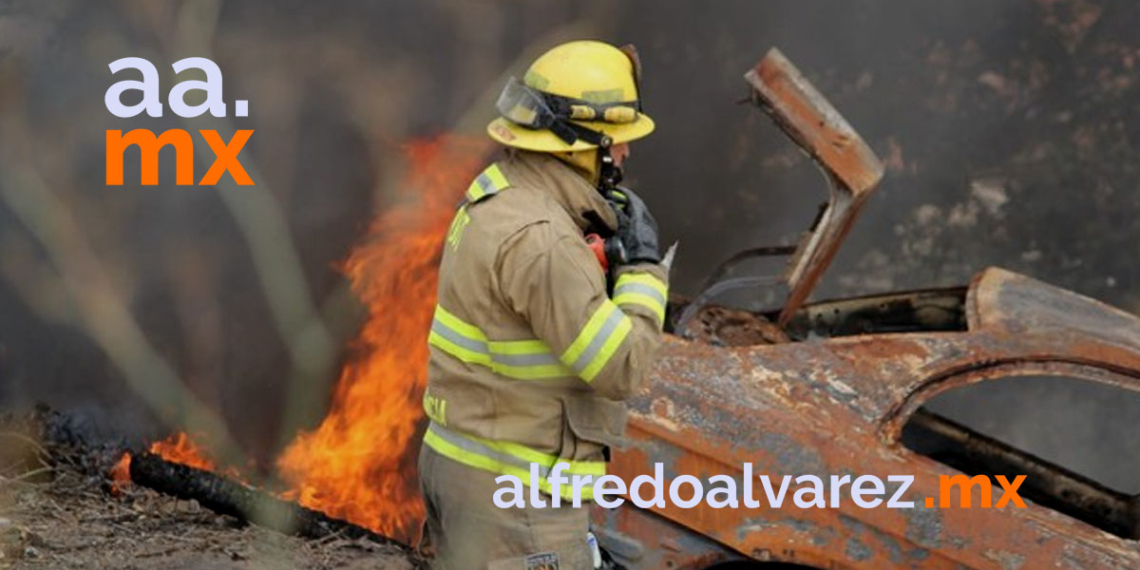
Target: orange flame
179	448
121	473
359	464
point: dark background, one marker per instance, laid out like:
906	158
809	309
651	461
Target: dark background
1010	130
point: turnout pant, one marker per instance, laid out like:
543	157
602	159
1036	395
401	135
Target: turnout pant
468	532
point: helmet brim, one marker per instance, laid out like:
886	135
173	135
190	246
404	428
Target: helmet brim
510	134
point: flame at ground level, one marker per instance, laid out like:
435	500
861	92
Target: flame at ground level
359	464
180	448
121	472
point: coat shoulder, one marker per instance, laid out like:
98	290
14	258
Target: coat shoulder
501	217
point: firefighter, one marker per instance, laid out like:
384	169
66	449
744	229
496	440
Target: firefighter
534	345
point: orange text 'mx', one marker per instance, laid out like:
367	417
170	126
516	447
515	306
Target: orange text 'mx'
149	144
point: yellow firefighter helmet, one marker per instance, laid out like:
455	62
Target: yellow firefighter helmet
577	96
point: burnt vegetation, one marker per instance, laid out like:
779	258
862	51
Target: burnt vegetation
64	510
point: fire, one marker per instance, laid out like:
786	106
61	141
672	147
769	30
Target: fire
179	448
359	464
121	472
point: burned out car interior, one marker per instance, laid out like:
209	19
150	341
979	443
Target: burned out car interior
853	171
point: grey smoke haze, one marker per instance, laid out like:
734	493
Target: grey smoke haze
1011	132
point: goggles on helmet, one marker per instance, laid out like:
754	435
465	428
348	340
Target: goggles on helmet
534	109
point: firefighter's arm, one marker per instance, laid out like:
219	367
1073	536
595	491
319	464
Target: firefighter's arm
554	281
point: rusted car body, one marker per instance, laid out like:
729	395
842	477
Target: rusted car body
833	398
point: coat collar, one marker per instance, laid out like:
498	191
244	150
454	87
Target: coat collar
570	189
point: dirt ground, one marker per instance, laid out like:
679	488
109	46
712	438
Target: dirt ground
62	519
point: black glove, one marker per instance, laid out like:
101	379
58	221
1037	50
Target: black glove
637	230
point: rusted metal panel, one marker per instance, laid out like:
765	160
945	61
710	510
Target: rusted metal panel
837	407
812	122
1012	303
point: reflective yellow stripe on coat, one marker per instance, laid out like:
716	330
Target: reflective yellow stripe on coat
519	359
532	359
642	289
505	458
598	341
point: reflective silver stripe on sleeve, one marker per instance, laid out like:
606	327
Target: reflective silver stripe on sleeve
639	288
598	341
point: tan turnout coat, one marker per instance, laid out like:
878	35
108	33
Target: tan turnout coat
531	357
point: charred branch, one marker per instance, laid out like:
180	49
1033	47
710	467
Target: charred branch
229	497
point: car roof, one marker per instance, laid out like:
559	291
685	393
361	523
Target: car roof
1003	301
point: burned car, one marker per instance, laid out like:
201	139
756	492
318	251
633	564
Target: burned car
831	389
840	388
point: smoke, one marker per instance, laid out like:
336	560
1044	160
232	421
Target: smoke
1009	131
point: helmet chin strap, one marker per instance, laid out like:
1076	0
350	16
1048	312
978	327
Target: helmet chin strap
609	173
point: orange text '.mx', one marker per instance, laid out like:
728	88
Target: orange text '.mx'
226	156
